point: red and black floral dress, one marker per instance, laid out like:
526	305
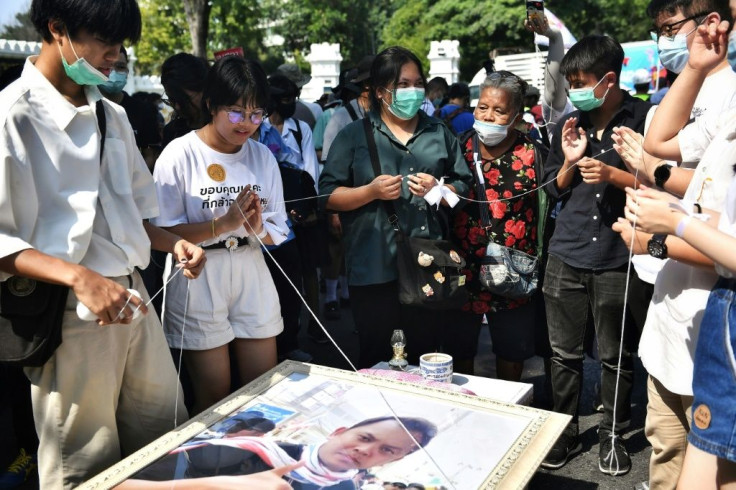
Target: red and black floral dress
513	220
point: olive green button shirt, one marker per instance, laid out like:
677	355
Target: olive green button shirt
370	240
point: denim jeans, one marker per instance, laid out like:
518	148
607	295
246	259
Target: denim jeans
570	294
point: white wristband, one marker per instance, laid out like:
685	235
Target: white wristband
262	234
680	230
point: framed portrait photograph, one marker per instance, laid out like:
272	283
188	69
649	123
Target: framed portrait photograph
347	431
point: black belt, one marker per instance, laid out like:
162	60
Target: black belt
223	244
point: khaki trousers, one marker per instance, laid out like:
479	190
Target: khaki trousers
105	393
666	427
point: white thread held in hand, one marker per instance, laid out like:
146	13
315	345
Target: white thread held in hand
85	314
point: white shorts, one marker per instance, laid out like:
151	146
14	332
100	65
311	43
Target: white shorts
234	297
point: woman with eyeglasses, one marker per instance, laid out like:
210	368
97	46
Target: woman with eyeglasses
218	187
510	163
414	151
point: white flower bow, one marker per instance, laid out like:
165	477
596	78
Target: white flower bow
439	192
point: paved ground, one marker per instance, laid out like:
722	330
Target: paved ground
581	473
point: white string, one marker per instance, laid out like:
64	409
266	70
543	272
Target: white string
252	232
572	167
181	353
150	300
612	455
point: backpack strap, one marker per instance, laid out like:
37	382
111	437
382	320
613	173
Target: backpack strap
480	188
298	135
448	118
102	124
351	111
393	218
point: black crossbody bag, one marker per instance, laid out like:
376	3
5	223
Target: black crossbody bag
32	312
430	271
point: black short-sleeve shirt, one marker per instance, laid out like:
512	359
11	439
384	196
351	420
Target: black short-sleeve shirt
583	236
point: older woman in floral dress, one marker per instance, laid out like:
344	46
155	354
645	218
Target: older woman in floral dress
509	162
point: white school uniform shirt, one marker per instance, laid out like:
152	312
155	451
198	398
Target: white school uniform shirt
195	184
727	223
667	345
305	156
55	195
338	121
718	94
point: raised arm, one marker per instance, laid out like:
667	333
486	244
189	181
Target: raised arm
708	49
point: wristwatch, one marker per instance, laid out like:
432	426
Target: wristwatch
656	246
661	174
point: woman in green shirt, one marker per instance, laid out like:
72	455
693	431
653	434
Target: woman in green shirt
414	151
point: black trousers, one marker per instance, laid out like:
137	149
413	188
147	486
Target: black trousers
377	313
570	294
287	256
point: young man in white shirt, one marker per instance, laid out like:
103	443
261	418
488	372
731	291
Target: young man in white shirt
71	218
682	285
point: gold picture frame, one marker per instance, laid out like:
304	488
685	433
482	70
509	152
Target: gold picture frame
479	443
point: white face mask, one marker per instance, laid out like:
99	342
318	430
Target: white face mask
491	134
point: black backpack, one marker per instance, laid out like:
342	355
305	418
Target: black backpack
299	189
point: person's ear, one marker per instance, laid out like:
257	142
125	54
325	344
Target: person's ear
338	431
712	18
57	30
611	79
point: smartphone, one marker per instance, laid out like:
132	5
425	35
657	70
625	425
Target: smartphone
535	12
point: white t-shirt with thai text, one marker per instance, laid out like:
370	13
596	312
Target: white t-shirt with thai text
195	184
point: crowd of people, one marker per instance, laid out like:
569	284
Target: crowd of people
249	197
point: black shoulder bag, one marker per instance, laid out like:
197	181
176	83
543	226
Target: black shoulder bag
32	312
430	271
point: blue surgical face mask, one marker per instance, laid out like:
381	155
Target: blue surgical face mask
81	71
732	51
673	53
406	102
115	83
584	99
491	134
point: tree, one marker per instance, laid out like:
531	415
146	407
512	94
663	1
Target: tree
22	29
165	32
490	24
198	17
347	22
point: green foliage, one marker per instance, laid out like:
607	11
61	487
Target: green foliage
365	26
352	23
232	23
21	29
482	26
165	32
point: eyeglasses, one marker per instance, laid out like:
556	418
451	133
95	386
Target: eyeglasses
238	116
670	30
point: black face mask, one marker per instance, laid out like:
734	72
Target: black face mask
286	110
